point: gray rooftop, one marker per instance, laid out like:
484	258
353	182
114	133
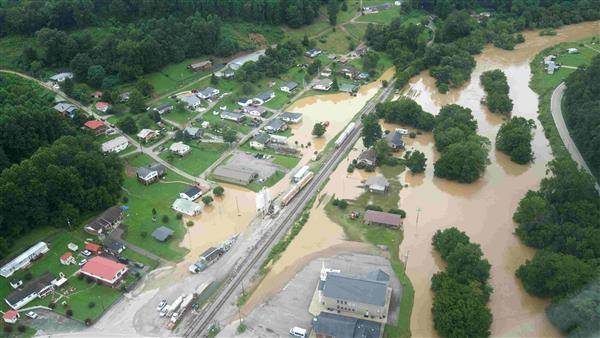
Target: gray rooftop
377	180
162	233
232	115
378	275
368	154
334	325
275	124
190	99
209	91
261	138
395	138
291	85
65	107
265	96
191	191
30	287
290	116
355	289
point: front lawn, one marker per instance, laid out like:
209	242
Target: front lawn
198	160
142	199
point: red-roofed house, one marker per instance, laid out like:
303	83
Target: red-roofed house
67	258
96	126
102	106
93	247
105	270
11	316
97	94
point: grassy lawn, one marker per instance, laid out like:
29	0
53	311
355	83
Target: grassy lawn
356	230
11	48
174	76
256	186
215	120
142	199
543	84
252	36
288	162
337	42
387	16
357	29
200	158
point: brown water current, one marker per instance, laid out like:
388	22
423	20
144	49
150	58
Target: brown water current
483	209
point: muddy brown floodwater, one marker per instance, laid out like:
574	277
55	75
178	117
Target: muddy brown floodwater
483	209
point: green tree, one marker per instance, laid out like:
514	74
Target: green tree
514	138
335	86
415	161
318	129
95	75
551	274
207	200
333	7
229	135
67	86
369	60
464	162
128	125
144	87
218	191
371	131
214	80
80	65
382	150
136	102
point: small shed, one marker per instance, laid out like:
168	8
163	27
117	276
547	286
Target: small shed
67	258
11	316
162	233
93	247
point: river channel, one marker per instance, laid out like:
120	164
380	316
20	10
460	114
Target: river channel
483	209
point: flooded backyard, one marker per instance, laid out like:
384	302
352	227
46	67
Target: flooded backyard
483	209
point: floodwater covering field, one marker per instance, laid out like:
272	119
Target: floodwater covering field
483	209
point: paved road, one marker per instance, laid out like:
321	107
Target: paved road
563	131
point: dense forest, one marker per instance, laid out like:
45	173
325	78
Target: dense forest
464	153
29	16
462	291
405	111
582	112
496	89
562	220
27	120
58	185
136	37
514	139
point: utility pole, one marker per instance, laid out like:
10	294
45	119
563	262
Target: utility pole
237	206
417	223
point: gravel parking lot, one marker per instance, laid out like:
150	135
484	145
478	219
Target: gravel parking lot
289	307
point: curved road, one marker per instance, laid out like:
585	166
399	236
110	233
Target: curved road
563	131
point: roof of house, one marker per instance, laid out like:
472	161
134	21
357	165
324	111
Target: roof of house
61	76
35	285
200	63
275	124
192	131
102	267
368	155
382	217
164	106
65	107
10	315
162	233
334	325
144	171
102	105
234	173
265	95
191	100
179	146
186	206
258	109
231	115
93	247
290	85
355	289
262	138
192	190
208	91
378	180
290	116
348	87
66	256
115	142
107	218
94	124
113	245
146	132
323	82
395	138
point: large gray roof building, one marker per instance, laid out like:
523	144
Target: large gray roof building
334	325
340	286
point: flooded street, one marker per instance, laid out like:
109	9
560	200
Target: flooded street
483	209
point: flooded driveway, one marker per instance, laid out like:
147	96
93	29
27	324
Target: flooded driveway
483	209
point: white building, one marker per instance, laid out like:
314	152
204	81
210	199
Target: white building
115	145
324	84
61	77
186	207
180	148
24	259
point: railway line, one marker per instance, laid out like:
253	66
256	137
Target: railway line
197	325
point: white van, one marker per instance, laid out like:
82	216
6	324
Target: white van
298	332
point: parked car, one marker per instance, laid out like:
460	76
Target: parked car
164	311
161	305
298	332
174	317
139	265
32	315
86	253
83	261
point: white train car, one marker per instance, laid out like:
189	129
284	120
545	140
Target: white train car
296	188
344	135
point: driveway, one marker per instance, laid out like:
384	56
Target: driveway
563	131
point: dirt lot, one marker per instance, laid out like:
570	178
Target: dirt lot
289	307
265	168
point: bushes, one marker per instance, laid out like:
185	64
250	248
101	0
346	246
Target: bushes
514	139
462	291
218	191
415	161
373	207
406	111
397	211
340	203
91	305
69	313
496	87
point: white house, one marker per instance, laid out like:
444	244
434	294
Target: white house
61	77
115	145
192	101
572	50
264	97
244	101
186	207
288	87
323	84
291	117
256	111
180	148
208	93
147	134
24	259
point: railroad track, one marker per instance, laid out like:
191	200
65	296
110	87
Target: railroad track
201	323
